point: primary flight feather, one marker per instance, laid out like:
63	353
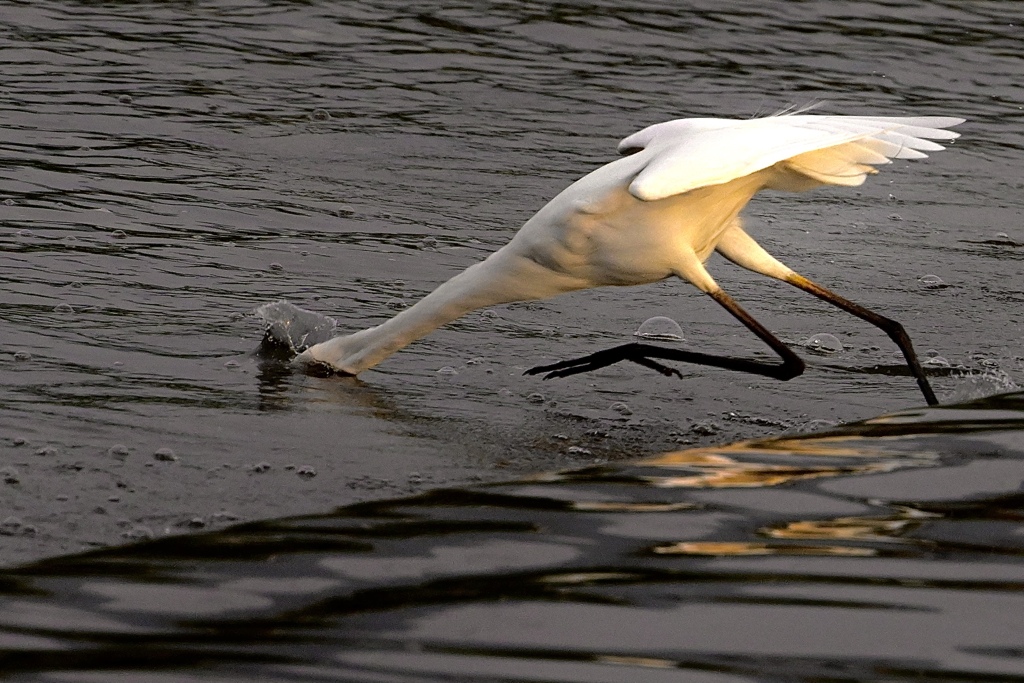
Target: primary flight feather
660	212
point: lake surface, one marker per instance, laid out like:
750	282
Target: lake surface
166	168
889	550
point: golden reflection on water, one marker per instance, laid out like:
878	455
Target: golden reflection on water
717	469
847	528
742	548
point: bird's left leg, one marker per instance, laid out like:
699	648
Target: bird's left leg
740	248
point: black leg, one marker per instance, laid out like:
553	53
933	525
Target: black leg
890	327
644	354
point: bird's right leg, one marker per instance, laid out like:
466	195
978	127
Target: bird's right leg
645	354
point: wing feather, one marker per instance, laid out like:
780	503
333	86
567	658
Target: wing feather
686	154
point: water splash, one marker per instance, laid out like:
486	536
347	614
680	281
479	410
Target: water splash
296	329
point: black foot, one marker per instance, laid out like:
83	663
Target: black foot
635	353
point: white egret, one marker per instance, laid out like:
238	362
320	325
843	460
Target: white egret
660	212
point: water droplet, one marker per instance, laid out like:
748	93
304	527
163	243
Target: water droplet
118	450
621	408
660	328
823	344
535	397
63	308
306	472
931	282
320	115
165	455
260	468
447	371
22	356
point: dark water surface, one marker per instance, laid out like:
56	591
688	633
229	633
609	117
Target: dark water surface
167	167
890	550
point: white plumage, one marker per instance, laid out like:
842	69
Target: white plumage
656	213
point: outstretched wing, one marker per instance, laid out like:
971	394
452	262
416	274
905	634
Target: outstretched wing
686	154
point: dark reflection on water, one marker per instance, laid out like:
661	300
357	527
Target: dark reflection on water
892	549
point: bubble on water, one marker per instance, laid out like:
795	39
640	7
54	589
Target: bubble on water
306	472
395	302
895	217
47	451
10	202
343	210
936	362
931	282
488	314
428	243
260	468
660	328
276	266
621	408
231	364
535	397
447	371
823	344
22	356
292	327
63	308
165	455
118	450
320	115
124	99
63	497
118	234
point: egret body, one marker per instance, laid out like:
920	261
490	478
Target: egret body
659	212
